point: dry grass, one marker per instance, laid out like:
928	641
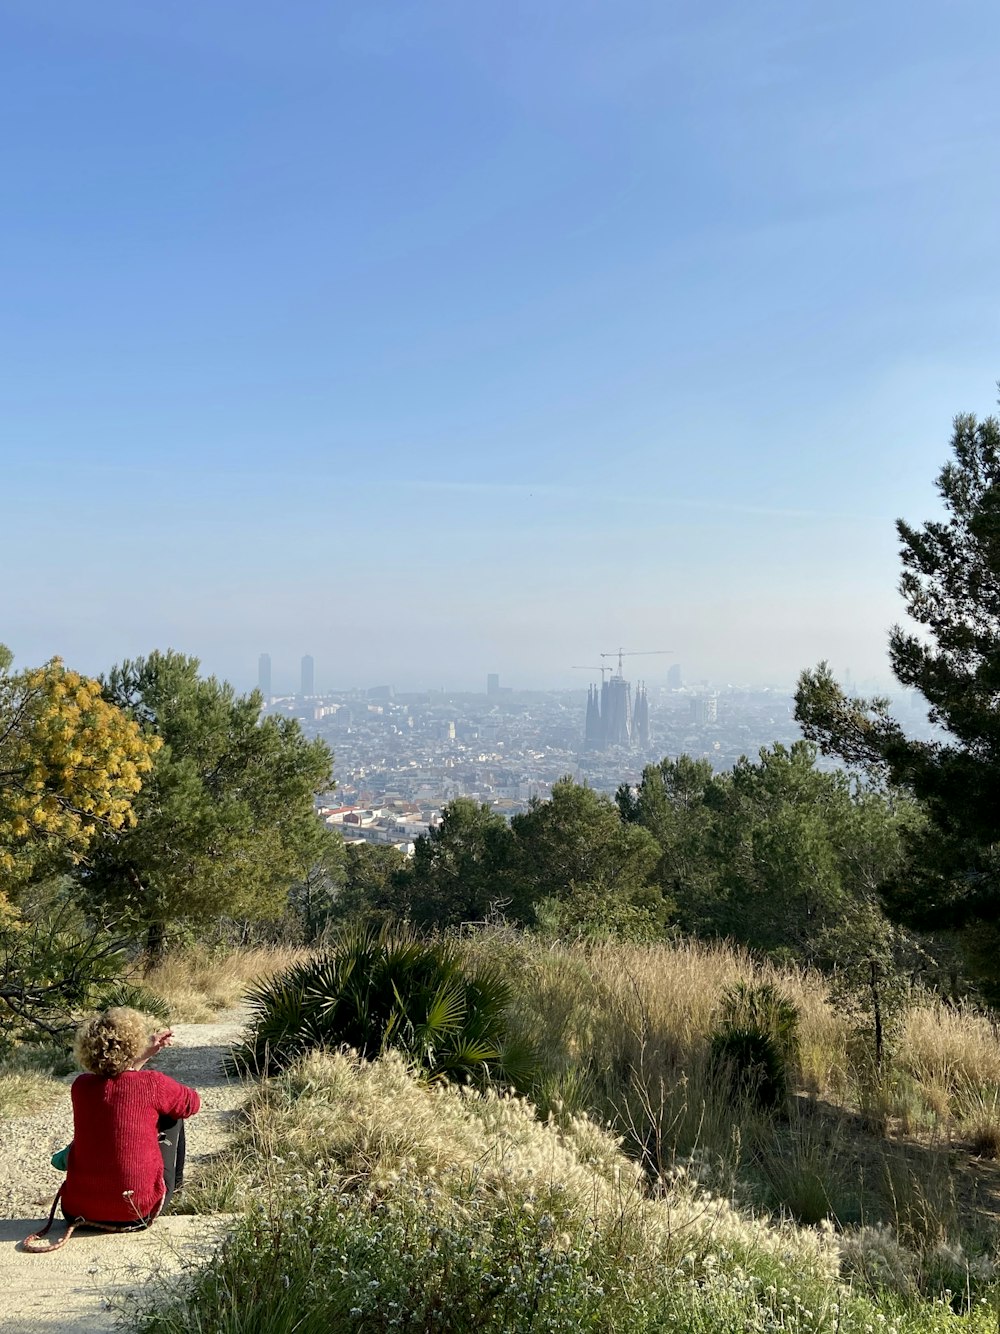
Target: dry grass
950	1048
376	1202
198	983
634	1021
340	1118
371	1137
979	1110
674	989
866	1158
624	1032
24	1091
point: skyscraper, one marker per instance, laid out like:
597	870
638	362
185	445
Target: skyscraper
493	683
674	681
308	676
264	675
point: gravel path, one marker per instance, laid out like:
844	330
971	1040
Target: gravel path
68	1291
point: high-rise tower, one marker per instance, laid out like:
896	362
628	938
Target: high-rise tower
308	681
705	709
264	675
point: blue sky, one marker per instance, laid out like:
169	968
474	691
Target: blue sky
443	338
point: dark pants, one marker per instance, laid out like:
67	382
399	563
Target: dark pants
170	1134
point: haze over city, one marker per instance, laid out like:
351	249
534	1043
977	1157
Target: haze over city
438	340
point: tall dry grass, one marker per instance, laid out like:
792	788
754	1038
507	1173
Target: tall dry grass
623	1033
23	1092
198	983
30	1079
624	1030
952	1059
956	1049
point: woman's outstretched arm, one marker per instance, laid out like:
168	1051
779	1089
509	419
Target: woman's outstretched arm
156	1044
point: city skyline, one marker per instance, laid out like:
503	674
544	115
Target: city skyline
282	679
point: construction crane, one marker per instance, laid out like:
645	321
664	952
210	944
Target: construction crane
602	670
635	653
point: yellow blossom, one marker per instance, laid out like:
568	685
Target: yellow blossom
70	763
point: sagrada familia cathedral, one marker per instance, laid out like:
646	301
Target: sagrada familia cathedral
612	717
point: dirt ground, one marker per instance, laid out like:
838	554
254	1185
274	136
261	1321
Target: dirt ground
79	1287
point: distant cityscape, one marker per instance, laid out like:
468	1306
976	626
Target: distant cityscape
400	757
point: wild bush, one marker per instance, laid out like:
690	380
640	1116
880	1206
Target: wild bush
378	1203
52	971
375	990
755	1042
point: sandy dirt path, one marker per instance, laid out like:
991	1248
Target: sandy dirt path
70	1290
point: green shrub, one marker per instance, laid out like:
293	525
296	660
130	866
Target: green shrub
420	1260
754	1043
752	1064
52	971
375	990
134	996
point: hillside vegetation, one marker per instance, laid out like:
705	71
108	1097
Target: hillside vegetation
632	1190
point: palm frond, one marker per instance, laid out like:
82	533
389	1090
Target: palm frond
377	989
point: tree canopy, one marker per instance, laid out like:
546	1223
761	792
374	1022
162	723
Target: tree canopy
951	586
71	766
459	870
226	820
580	866
775	854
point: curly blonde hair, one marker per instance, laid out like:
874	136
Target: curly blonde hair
109	1042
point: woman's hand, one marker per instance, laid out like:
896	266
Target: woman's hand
156	1044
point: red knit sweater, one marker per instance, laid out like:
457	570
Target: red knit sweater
115	1147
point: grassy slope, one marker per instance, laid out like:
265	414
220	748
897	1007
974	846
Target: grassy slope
378	1168
624	1034
375	1203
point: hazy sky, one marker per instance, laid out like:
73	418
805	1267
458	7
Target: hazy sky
441	338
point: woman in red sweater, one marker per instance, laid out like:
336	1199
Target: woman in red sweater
127	1155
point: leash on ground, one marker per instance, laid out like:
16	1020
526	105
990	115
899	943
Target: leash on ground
34	1244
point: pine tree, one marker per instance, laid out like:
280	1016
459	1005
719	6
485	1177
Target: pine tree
225	821
951	586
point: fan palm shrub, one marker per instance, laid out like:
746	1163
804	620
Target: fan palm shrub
378	989
135	996
755	1042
